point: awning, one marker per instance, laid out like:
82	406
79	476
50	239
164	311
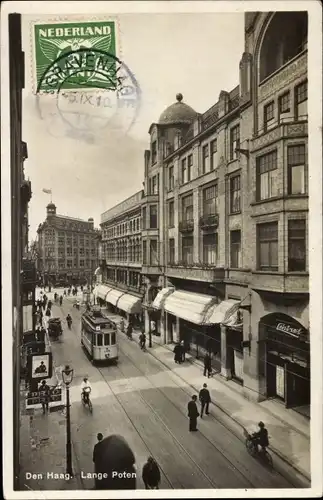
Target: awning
188	305
101	291
220	313
98	271
129	303
234	321
161	297
113	296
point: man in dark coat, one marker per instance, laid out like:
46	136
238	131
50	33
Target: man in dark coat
178	353
205	399
207	365
193	413
151	474
115	458
96	451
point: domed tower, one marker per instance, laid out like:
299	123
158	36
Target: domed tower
178	113
51	209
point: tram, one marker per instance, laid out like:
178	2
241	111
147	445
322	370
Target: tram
99	336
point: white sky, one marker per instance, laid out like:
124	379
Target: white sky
195	54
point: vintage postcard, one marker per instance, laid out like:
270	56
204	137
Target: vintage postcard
161	249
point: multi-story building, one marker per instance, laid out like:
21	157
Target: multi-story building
121	258
67	249
230	188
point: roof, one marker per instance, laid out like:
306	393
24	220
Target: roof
178	113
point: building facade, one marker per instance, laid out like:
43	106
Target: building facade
67	249
121	249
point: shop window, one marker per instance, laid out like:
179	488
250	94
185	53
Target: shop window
235	248
210	248
235	194
189	167
213	151
234	142
171	251
296	169
171	178
267	243
187	208
301	101
153	216
205	155
297	245
184	171
267	176
284	103
269	115
210	200
187	249
170	214
153	253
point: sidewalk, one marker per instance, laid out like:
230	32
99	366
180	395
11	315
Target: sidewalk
289	432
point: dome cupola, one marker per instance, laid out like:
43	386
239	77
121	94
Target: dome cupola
178	113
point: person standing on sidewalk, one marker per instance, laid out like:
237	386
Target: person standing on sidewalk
61	300
207	365
151	474
193	413
96	452
205	399
182	351
44	392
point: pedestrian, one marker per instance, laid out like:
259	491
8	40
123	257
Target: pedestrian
142	340
48	313
205	399
49	305
115	460
64	293
96	451
182	351
177	354
129	330
121	325
207	365
44	393
69	291
193	413
151	474
61	300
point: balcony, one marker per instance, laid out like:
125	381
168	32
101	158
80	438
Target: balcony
289	283
209	221
196	271
282	129
186	226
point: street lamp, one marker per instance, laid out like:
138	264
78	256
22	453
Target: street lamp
67	375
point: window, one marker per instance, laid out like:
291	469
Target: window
296	169
235	206
234	141
171	178
154	189
81	263
144	217
153	253
267	176
171	251
297	245
268	246
284	103
69	251
138	224
184	171
235	248
81	251
213	150
269	115
69	263
301	101
187	249
210	200
154	152
209	248
205	155
99	339
144	252
189	167
187	206
171	214
153	216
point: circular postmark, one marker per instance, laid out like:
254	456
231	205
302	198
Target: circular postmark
84	91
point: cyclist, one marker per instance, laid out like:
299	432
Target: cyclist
261	437
69	320
86	388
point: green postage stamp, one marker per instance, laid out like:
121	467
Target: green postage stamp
52	42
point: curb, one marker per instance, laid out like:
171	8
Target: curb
303	473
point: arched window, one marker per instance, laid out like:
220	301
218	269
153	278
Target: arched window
285	37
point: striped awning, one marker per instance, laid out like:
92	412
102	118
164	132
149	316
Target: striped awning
101	291
129	303
98	271
220	313
161	296
188	305
113	296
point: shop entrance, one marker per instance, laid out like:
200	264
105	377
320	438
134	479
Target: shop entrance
235	353
199	340
287	360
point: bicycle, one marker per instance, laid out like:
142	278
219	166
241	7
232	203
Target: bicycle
253	450
86	400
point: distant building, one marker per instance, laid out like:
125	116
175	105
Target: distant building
122	257
67	249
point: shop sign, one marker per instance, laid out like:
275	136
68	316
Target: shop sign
40	366
290	330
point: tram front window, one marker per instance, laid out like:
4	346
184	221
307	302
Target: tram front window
106	339
99	339
113	338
